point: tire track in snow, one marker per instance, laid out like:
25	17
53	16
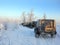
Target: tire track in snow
37	41
41	41
58	35
50	41
45	42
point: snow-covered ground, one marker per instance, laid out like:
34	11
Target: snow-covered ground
19	35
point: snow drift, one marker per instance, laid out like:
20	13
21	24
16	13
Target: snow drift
20	35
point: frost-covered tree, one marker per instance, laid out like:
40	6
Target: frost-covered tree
44	16
23	17
31	16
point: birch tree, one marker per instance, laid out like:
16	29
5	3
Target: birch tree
23	14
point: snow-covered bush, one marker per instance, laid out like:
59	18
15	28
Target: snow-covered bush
1	26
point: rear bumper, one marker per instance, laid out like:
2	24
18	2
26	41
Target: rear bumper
48	32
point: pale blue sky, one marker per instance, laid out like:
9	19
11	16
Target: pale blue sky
14	8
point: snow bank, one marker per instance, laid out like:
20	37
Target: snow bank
25	36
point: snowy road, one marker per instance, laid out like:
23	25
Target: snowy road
25	36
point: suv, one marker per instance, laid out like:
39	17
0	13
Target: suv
45	26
